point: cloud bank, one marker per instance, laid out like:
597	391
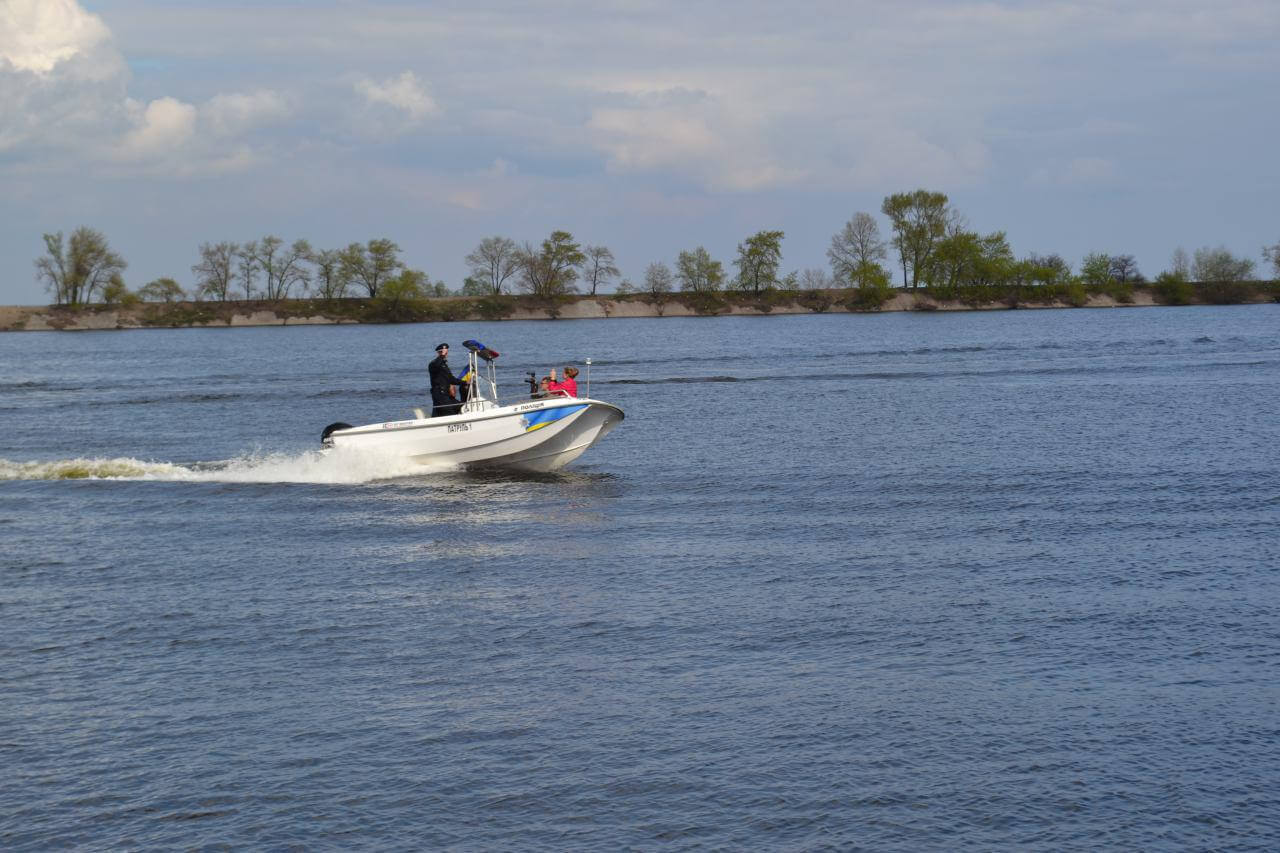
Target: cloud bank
646	120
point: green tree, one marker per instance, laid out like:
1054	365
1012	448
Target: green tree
400	296
855	247
494	261
919	221
372	264
968	259
1049	269
871	277
75	272
598	267
1172	288
161	290
996	263
116	292
214	272
1095	270
698	272
758	259
955	260
552	270
872	286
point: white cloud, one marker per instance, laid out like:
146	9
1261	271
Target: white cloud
683	104
235	113
162	127
64	102
712	138
39	35
649	139
405	94
61	80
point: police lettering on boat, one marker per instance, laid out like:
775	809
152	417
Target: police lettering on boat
524	435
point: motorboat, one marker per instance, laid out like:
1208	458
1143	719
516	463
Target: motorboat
539	432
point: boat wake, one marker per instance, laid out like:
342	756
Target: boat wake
313	466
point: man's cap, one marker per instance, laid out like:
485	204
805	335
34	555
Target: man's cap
441	346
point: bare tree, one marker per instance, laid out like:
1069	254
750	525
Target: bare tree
1125	269
815	279
214	272
855	246
87	264
1271	254
1219	265
599	267
658	279
494	261
1180	264
283	267
331	275
247	268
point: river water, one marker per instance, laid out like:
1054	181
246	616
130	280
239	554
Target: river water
1001	580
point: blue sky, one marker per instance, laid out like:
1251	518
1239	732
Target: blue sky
649	127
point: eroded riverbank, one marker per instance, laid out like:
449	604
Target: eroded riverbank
363	311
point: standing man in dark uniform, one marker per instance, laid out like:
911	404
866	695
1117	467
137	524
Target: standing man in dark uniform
442	400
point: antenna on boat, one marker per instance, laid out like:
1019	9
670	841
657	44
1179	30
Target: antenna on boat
588	378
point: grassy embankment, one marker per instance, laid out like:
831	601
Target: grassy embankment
320	311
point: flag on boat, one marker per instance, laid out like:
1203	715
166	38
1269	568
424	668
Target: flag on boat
480	349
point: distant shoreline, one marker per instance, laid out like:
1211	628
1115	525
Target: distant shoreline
311	312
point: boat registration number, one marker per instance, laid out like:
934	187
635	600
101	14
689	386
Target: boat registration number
459	427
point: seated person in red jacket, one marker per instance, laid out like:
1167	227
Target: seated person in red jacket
569	385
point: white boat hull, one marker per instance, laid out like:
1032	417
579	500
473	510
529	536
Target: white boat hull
540	435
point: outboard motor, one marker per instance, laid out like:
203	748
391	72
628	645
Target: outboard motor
325	440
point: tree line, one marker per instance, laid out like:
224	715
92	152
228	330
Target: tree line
928	242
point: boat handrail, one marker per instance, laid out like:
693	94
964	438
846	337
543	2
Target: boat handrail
479	366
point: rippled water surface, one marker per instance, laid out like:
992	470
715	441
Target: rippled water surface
913	581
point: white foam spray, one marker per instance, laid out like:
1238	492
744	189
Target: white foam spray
312	466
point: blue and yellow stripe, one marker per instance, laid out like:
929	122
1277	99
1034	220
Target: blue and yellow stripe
544	417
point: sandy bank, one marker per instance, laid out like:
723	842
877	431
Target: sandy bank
305	312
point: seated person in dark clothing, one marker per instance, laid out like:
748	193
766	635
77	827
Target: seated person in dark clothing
442	381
